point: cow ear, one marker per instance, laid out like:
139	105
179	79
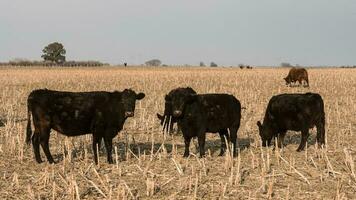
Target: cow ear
140	96
191	98
167	98
159	116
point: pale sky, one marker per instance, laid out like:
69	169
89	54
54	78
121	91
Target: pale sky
228	32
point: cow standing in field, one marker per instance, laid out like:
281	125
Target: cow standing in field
297	74
167	119
297	112
102	114
198	114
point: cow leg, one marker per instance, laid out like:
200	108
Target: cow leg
223	135
233	136
201	142
300	82
96	146
281	139
320	135
44	140
166	123
171	126
178	129
305	135
108	146
187	140
36	145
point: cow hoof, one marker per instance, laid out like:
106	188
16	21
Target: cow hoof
299	149
221	153
185	155
52	162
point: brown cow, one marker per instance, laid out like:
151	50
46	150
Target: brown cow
297	74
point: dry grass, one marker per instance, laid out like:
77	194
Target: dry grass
150	166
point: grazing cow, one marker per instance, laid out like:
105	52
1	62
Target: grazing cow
297	74
167	119
297	112
102	114
198	114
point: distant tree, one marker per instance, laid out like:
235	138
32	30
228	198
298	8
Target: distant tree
153	62
54	52
201	64
241	66
212	64
285	64
125	64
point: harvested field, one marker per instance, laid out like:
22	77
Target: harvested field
150	164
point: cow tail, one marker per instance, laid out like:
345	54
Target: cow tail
28	129
322	109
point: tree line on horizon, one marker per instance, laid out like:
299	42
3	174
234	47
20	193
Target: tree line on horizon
54	54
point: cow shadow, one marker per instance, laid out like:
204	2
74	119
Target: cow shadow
297	85
75	153
215	145
149	148
144	148
4	121
295	138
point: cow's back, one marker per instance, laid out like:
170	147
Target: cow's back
301	74
293	109
297	74
70	113
222	110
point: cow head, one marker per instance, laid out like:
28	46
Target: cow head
128	100
287	79
265	133
161	118
177	96
178	102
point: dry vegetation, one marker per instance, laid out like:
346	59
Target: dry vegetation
150	165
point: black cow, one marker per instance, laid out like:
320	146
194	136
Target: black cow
77	113
297	112
198	114
167	119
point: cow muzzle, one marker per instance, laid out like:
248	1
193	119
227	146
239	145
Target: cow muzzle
129	114
177	113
